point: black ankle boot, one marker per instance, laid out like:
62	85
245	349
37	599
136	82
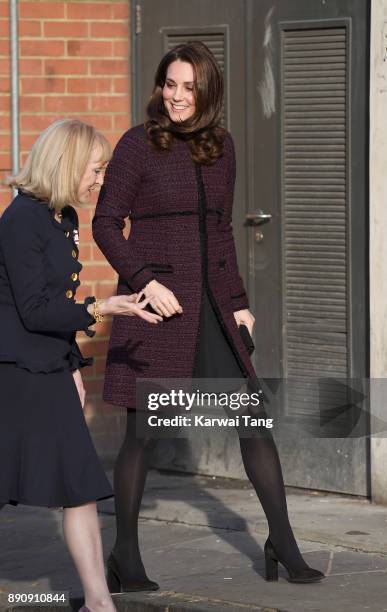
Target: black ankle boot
116	585
307	574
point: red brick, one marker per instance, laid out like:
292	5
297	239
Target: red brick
29	28
121	48
4	9
35	123
120	10
84	251
84	215
104	329
114	138
122	122
4	48
105	290
6	142
30	66
4	27
89	48
109	30
90	85
44	10
5	103
109	103
26	141
5	122
98	347
42	85
65	29
94	272
88	10
121	85
42	48
4	66
100	366
84	290
5	85
85	232
5	160
31	104
66	104
66	67
101	122
97	255
109	67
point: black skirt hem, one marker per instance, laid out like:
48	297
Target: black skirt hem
40	504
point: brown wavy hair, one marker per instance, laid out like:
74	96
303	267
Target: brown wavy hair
202	131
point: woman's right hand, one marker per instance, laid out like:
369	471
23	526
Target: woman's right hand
162	299
126	305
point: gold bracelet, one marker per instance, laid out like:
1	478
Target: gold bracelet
96	314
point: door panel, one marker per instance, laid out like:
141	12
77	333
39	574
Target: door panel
310	278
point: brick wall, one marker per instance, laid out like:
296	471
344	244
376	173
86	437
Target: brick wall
73	63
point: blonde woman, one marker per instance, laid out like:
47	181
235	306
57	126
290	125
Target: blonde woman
46	454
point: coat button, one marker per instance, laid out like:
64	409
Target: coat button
74	276
69	294
74	253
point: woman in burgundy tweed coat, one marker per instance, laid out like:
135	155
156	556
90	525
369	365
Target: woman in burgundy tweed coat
158	190
174	178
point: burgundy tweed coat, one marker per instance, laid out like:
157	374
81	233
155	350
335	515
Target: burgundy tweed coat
162	194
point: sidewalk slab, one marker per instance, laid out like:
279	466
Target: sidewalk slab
202	540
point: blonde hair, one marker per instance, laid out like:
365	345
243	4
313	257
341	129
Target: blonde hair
58	160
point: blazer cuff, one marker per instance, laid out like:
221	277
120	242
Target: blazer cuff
90	319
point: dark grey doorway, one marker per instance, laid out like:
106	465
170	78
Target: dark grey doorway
296	103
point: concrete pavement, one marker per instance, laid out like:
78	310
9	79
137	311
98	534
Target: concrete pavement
202	540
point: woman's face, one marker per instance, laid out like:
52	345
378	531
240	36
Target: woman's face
93	176
178	92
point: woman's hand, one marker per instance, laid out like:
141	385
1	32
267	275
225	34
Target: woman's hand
245	317
80	388
162	299
126	305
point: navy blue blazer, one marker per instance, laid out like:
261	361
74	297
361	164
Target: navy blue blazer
39	276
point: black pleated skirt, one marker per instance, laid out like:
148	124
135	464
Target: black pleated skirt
47	457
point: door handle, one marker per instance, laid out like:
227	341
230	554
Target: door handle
258	217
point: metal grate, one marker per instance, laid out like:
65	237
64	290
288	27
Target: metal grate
315	204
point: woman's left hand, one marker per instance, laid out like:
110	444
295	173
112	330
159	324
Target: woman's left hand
245	317
80	388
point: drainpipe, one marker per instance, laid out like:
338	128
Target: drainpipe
15	132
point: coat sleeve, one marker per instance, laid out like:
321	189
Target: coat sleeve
117	196
23	247
238	292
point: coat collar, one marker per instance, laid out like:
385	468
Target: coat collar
66	225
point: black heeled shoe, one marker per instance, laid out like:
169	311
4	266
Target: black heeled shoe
308	574
116	585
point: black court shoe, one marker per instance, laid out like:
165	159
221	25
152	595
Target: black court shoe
116	585
307	574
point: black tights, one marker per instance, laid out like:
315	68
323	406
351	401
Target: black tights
263	468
